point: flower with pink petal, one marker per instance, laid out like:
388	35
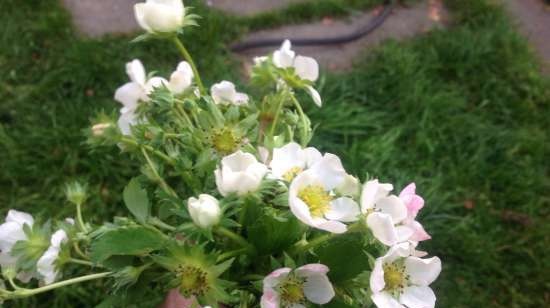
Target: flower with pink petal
414	203
285	287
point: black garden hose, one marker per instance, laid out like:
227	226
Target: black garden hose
373	25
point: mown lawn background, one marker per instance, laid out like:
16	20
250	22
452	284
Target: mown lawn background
462	112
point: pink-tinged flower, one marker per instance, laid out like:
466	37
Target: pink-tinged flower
399	279
287	288
414	203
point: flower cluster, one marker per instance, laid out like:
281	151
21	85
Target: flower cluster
230	206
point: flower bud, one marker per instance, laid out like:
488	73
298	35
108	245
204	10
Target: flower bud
160	15
205	211
76	193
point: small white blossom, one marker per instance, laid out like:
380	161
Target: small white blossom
46	265
399	279
205	211
239	173
287	288
160	15
312	198
11	231
306	68
181	78
224	93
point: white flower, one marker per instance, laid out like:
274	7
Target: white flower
399	279
46	265
11	232
287	288
384	212
160	15
181	78
239	173
205	211
290	160
139	88
306	68
224	93
311	197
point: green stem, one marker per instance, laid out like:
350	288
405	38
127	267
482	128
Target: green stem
185	117
159	223
313	243
303	118
81	262
161	155
161	181
79	219
79	251
188	58
13	284
234	237
20	293
276	118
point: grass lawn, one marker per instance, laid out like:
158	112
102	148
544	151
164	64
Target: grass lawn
462	112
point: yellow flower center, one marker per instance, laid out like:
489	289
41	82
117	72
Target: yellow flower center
291	173
395	277
193	281
225	141
292	291
317	199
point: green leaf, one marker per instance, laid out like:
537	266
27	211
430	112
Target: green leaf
270	234
345	257
136	200
125	241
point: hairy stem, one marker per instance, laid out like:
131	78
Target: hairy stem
20	293
188	58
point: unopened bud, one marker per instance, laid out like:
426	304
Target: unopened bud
76	192
205	211
99	129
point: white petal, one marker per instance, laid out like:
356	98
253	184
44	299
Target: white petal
349	187
312	269
155	82
306	67
385	300
418	297
377	282
240	99
223	92
161	17
20	218
332	226
126	121
58	238
129	95
46	265
139	12
315	96
272	280
287	157
136	72
312	156
329	170
284	57
382	228
10	233
404	233
393	206
318	289
343	209
181	78
423	271
270	299
372	191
